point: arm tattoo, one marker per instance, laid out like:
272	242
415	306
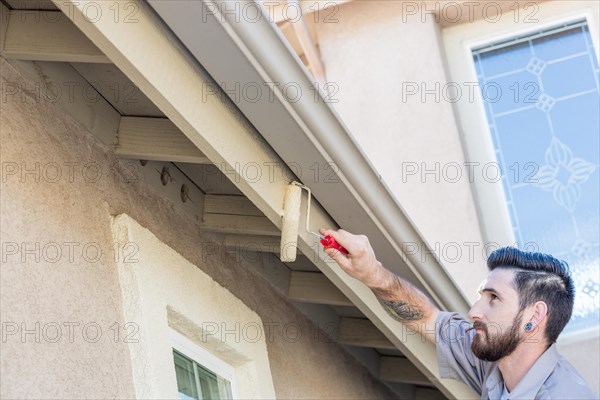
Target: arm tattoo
411	308
401	310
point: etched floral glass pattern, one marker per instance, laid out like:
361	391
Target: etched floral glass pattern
541	96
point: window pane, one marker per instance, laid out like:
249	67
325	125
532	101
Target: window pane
224	388
186	383
209	384
542	105
197	382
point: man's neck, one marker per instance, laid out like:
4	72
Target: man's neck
515	366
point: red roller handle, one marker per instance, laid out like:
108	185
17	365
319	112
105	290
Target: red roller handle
329	242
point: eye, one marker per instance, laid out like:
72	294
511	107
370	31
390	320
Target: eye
493	297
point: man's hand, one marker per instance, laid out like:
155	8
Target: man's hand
360	263
399	298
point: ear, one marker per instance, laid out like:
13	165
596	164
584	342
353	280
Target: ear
540	312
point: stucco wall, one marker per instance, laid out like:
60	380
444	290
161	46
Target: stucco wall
67	207
584	354
376	59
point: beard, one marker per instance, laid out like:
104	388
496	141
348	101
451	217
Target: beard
492	347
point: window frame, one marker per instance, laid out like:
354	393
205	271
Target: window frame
459	41
204	358
162	291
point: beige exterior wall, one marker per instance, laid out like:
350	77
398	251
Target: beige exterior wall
67	205
585	356
374	56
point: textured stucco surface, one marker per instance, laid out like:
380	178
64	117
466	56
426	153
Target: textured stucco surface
585	357
196	306
372	55
78	289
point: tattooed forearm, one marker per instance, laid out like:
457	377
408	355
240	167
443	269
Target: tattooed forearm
406	303
401	310
402	300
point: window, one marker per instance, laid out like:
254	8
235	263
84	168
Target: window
196	382
200	375
545	131
537	117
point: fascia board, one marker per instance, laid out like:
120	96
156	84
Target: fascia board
306	133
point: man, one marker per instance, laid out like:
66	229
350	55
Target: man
509	352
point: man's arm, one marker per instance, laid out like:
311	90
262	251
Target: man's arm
410	306
400	299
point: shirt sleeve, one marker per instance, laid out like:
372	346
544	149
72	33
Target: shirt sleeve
455	357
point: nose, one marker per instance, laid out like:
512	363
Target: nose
475	311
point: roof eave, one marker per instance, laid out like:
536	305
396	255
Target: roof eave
307	134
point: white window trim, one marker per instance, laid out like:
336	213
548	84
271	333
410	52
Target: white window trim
459	42
204	358
161	292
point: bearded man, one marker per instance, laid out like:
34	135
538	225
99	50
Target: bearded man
509	351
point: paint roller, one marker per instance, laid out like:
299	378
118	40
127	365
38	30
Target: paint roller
291	224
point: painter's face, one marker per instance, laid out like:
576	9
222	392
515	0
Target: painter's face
496	319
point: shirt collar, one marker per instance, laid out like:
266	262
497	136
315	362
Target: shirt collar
532	381
494	383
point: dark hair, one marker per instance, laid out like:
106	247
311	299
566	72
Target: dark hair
539	277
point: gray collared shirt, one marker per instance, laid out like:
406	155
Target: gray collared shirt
551	377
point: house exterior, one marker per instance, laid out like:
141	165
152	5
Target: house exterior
146	147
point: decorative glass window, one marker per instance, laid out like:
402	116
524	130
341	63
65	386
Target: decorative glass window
200	375
541	96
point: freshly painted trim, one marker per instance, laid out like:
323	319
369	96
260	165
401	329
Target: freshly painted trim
314	287
362	333
155	139
50	38
399	369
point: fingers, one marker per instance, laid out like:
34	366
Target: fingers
337	256
326	231
341	236
360	263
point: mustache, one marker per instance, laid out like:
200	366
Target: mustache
478	325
